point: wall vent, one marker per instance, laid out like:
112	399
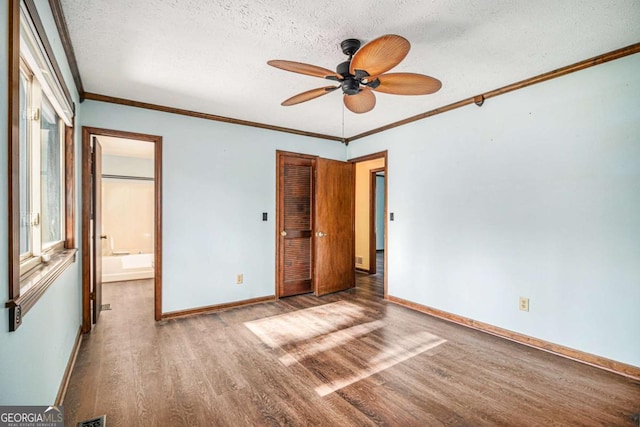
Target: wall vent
94	422
358	260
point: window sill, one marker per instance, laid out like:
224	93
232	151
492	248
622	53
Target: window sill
36	282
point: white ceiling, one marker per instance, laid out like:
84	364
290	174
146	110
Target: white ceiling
210	55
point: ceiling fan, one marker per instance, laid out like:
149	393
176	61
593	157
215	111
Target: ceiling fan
363	73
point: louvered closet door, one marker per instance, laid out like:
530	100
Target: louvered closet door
295	225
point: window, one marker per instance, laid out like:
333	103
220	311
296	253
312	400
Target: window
41	217
41	173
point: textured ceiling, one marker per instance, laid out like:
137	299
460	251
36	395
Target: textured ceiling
210	55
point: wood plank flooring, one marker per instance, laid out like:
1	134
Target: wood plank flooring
346	359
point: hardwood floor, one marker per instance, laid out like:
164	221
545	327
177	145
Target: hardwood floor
346	359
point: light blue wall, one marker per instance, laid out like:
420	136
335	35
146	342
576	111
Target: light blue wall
33	359
535	194
217	180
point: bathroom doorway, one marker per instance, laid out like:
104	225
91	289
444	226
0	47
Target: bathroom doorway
371	191
127	209
121	215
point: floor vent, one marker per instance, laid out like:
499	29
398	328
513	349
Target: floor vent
94	422
104	307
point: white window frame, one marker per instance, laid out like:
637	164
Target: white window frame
38	72
32	52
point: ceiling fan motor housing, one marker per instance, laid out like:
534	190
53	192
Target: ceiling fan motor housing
343	69
350	85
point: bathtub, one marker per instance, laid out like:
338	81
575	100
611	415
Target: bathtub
117	268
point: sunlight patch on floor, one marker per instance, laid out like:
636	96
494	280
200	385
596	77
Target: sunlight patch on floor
345	342
277	331
389	357
329	341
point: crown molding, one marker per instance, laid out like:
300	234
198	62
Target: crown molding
206	116
480	99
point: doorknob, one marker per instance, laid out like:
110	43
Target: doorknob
320	234
283	233
103	237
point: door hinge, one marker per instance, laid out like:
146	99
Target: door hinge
92	296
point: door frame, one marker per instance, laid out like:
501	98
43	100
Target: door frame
373	244
382	154
87	132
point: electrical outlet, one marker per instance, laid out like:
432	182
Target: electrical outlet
239	279
523	304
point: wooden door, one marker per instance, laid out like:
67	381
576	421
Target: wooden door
295	224
334	225
96	229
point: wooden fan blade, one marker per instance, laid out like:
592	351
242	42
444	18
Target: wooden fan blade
361	102
309	95
380	55
408	84
308	69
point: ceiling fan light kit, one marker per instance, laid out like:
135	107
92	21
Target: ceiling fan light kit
363	73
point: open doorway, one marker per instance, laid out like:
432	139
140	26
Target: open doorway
378	191
376	218
370	214
121	215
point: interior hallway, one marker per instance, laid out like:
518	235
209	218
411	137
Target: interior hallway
344	359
